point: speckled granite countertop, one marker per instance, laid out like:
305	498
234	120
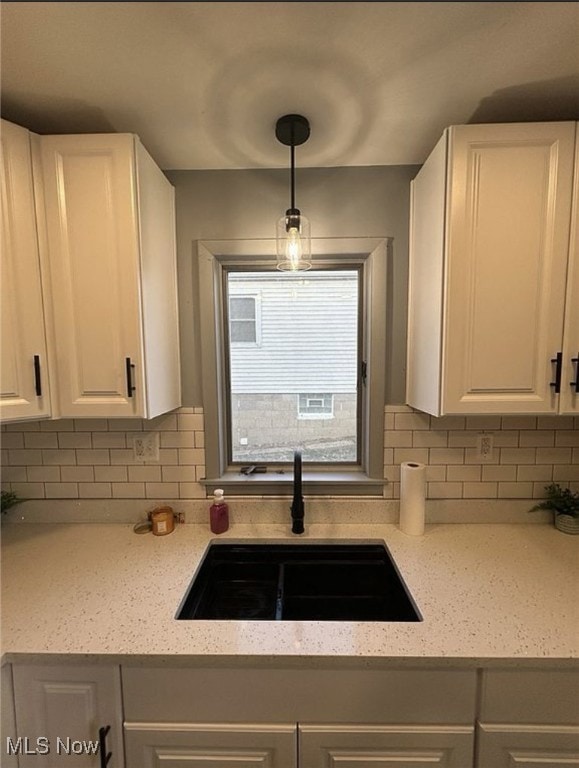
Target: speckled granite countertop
486	592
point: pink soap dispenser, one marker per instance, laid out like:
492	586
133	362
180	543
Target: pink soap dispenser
219	513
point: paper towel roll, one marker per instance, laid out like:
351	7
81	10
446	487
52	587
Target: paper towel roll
412	497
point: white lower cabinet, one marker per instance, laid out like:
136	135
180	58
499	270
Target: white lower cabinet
527	746
299	718
197	745
528	718
394	746
60	711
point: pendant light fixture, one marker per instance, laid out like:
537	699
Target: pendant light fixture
293	239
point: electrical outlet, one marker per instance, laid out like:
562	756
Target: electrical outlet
146	447
485	442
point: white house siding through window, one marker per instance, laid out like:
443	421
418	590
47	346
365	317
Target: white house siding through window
293	364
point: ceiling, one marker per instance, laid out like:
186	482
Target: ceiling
203	83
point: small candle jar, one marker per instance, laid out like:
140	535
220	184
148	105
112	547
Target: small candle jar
163	519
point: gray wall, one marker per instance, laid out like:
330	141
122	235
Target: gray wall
245	204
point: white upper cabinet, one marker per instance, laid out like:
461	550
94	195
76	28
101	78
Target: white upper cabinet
111	243
489	252
24	364
570	360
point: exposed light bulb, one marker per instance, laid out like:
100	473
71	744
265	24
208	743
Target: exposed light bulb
293	248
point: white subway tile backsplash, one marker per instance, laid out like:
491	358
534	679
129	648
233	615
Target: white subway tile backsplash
464	472
515	490
554	455
537	438
91	425
110	474
109	440
518	422
567	437
165	491
75	440
497	472
44	474
145	473
411	421
190	421
518	455
184	474
430	439
128	490
566	472
12	440
178	439
95	490
398	439
61	490
41	440
22	457
480	490
17	474
77	474
161	423
61	425
444	490
446	456
191	456
535	472
93	458
60	456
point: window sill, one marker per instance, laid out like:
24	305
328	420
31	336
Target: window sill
314	483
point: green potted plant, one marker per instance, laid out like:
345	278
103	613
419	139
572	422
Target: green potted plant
9	499
564	503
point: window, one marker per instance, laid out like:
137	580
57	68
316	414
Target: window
244	325
310	330
293	361
315	406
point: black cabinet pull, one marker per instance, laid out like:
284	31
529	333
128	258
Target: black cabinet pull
129	369
104	755
575	384
37	379
558	360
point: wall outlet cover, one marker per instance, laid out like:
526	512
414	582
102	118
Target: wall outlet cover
485	446
146	447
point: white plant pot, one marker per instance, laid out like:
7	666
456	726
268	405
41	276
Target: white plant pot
567	523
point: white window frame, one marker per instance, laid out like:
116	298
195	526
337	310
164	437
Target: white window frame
214	257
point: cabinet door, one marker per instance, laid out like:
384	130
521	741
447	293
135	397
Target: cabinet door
197	745
23	368
9	759
509	212
93	247
59	711
385	746
570	372
504	746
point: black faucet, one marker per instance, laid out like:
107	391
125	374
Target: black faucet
297	507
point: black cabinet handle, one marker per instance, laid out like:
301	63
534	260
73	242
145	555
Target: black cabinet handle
558	360
129	369
104	755
37	379
575	384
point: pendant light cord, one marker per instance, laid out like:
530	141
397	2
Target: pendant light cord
292	178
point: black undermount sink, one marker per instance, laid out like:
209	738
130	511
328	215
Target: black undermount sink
297	582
